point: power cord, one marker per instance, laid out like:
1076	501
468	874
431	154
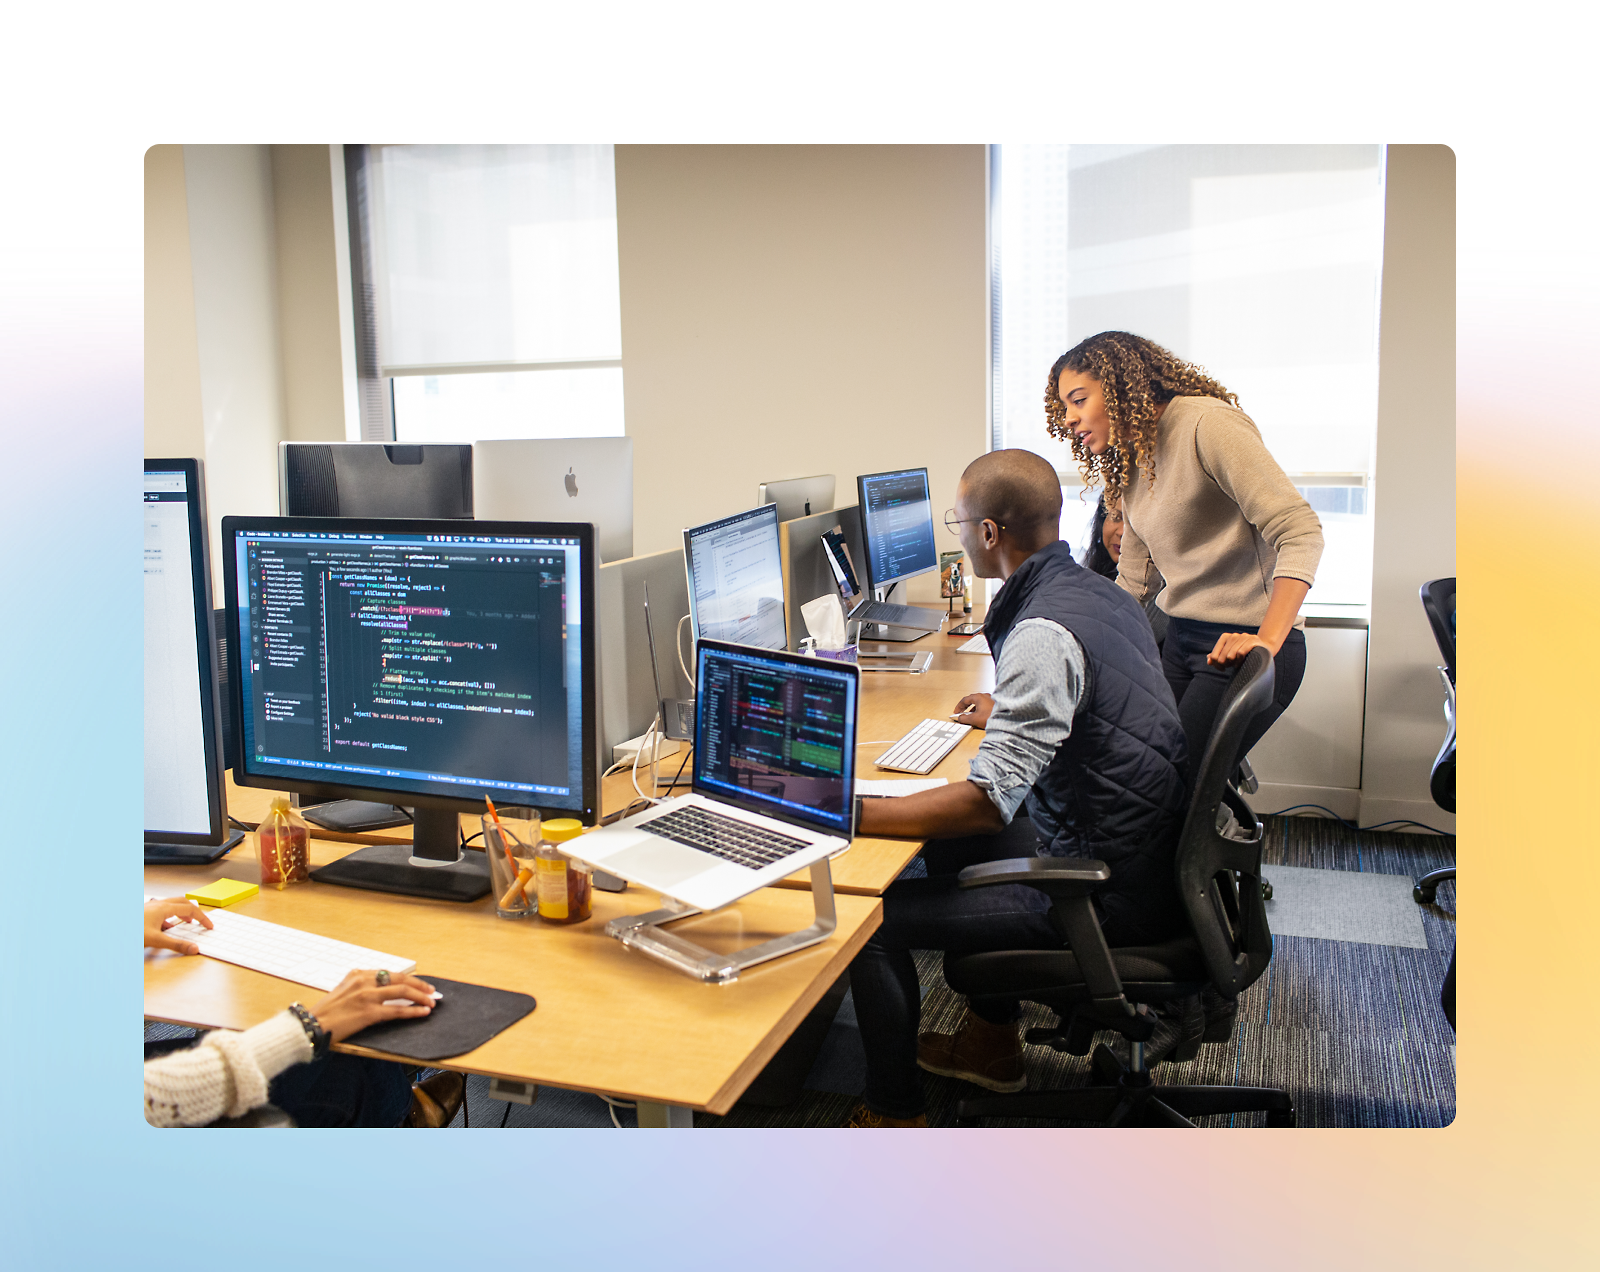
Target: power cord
614	1105
677	645
1350	825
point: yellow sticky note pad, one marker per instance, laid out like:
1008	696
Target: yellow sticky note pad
223	892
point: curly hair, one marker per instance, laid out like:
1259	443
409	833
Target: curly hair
1137	378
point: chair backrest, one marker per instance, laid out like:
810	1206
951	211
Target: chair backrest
1219	876
1439	603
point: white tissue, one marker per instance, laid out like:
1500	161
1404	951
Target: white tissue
825	621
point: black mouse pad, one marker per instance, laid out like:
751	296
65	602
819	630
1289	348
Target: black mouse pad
466	1017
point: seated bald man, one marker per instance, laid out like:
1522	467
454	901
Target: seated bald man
1081	726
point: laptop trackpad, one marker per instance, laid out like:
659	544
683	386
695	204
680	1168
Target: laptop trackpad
660	861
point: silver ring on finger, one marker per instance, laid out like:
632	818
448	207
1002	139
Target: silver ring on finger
383	976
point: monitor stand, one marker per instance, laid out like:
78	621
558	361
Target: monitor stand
433	865
189	854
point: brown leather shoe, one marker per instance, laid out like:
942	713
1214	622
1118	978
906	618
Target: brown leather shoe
987	1054
436	1101
862	1116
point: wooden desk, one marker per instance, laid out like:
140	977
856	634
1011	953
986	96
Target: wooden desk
608	1021
891	703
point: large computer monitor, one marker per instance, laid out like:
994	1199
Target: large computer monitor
560	479
798	496
373	479
185	798
424	663
735	570
896	527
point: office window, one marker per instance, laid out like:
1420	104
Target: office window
492	291
1260	263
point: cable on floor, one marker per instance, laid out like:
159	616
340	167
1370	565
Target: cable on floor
1350	825
614	1105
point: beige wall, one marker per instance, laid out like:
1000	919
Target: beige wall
173	426
790	310
244	342
1414	484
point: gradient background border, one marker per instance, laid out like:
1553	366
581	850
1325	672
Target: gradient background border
85	1183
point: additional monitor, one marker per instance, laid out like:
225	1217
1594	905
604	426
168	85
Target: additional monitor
799	496
373	479
897	526
735	573
560	479
774	734
425	663
185	801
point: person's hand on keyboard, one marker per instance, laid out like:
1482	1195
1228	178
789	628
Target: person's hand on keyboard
974	709
359	1001
162	914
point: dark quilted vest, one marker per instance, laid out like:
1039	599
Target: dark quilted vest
1115	789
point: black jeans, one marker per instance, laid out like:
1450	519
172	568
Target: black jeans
936	914
1199	688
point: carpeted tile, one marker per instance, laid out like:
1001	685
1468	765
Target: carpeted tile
1344	905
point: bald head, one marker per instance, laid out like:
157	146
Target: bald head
1017	490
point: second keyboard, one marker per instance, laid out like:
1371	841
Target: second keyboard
922	748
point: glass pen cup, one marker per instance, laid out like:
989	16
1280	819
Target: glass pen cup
512	876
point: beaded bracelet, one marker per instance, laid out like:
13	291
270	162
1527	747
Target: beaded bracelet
315	1033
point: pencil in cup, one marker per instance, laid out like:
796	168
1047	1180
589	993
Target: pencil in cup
510	870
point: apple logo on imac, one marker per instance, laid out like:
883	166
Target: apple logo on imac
571	484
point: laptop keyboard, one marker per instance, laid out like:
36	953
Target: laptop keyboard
739	842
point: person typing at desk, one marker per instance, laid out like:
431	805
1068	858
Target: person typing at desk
226	1074
1083	727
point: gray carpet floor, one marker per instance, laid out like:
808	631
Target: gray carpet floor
1352	1029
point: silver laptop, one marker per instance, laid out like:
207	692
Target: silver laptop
559	479
862	609
773	788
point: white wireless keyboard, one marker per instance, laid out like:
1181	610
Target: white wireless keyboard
302	957
922	748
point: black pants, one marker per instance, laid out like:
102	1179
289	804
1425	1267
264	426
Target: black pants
1199	688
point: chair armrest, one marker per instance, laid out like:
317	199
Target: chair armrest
1054	876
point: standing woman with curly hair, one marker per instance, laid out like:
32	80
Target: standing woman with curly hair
1205	507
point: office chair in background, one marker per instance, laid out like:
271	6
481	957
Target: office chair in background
1439	603
1091	986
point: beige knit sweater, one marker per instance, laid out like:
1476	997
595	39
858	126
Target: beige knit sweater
225	1075
1220	522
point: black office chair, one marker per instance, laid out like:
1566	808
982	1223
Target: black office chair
1439	603
1091	986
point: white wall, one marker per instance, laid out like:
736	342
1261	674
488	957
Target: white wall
245	345
1414	485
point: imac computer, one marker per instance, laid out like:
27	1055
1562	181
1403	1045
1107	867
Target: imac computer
424	663
185	798
560	479
897	533
373	479
799	496
735	570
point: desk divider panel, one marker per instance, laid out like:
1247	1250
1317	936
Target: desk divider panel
627	692
806	575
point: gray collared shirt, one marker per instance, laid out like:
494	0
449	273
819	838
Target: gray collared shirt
1038	682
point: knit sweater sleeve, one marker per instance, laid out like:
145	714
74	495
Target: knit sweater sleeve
226	1075
1231	452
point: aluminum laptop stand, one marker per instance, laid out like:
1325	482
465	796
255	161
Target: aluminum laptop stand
647	934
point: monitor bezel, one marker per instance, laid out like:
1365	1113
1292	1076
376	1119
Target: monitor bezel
873	581
802	663
688	564
206	641
324	788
